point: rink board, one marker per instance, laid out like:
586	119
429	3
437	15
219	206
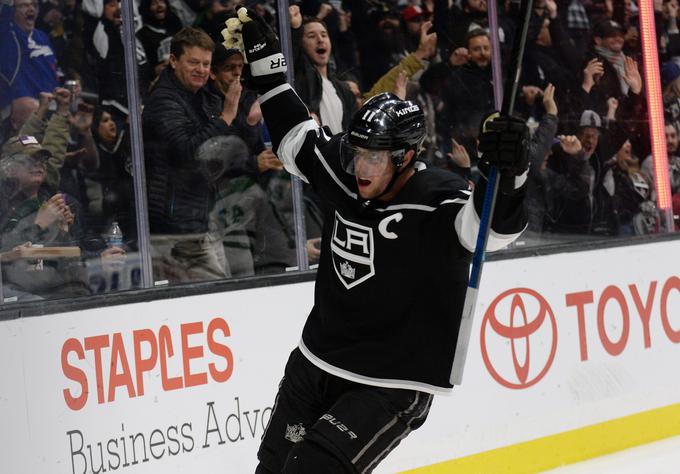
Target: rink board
572	356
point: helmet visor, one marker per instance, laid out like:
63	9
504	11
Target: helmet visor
363	162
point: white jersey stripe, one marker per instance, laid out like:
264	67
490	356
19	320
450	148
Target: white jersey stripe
415	207
454	201
467	228
275	91
329	170
421	207
292	143
387	383
521	179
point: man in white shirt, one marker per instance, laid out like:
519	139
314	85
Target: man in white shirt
326	96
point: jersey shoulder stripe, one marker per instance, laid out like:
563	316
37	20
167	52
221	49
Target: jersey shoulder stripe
333	175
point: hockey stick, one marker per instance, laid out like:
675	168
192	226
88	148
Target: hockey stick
489	203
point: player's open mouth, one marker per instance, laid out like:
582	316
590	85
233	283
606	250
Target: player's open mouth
321	51
363	182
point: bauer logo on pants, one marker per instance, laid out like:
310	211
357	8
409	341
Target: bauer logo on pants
353	249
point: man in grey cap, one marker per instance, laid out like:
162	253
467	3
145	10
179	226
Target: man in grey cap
590	125
601	140
31	213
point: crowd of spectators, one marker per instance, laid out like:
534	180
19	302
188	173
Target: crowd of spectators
220	205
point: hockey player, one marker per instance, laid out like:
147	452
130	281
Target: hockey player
395	259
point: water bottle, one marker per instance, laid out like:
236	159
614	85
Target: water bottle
114	238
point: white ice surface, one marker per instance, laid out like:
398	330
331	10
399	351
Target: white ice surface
661	457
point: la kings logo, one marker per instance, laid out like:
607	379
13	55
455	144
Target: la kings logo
407	110
353	250
295	433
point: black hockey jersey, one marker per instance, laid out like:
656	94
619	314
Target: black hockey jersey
392	276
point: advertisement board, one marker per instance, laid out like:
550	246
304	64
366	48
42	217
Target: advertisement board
166	386
187	385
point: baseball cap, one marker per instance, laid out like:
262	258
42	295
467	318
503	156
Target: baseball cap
24	145
221	54
607	28
381	11
412	12
669	72
590	118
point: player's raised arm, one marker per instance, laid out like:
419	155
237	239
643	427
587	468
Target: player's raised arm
503	143
284	112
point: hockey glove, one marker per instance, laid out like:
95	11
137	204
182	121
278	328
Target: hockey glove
503	142
260	47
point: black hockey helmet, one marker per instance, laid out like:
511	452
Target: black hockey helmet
386	122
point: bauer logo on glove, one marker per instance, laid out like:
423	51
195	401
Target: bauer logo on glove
277	63
260	47
257	47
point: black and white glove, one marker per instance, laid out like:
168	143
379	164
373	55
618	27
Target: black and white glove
503	143
260	48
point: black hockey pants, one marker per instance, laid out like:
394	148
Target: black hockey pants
325	424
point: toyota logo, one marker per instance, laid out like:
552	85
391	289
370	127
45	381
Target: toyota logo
518	347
